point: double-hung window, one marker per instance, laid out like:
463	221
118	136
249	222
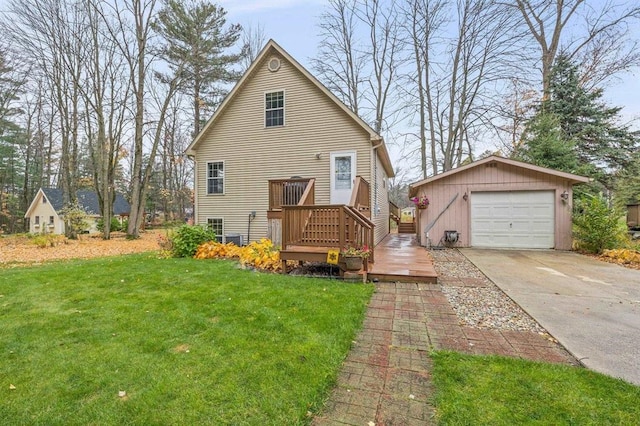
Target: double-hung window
215	177
274	109
216	225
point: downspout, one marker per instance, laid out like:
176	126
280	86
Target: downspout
195	186
252	216
375	177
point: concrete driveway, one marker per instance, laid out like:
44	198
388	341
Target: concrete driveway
591	307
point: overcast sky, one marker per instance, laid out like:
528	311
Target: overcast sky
293	24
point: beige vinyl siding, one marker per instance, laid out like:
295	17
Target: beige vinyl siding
379	200
486	178
253	154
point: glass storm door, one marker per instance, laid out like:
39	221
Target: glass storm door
343	168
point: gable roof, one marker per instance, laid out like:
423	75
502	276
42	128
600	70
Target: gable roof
88	201
574	179
266	51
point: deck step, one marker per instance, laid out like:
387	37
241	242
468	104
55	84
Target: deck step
406	228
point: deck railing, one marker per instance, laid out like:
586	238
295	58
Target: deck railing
394	211
326	226
361	196
290	192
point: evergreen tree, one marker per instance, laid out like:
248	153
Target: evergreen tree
627	187
195	35
544	144
599	138
574	131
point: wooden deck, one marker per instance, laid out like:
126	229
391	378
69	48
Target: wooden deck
400	258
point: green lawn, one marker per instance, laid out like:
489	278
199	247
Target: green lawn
190	342
491	390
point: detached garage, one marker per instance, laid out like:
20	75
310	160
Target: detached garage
497	203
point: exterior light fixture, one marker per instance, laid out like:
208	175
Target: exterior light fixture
465	196
564	196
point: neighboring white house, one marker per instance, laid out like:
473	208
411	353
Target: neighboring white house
280	134
44	212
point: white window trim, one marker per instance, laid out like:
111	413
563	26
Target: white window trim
214	218
224	178
284	108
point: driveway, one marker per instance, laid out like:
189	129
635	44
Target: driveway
591	307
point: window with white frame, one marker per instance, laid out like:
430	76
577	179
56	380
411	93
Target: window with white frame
215	177
51	219
274	109
216	224
37	220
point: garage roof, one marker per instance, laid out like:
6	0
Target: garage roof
573	179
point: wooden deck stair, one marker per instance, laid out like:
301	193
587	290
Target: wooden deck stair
406	228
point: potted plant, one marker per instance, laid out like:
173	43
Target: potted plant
421	202
353	256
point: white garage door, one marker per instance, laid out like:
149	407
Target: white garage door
518	219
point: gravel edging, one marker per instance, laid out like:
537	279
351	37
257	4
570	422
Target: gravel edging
476	300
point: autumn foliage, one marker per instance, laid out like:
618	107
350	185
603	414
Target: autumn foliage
259	254
626	257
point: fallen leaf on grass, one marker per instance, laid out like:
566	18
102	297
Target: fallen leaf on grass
184	348
12	387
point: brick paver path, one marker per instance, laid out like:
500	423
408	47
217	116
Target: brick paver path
386	378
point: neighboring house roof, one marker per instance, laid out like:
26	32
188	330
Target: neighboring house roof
574	179
376	140
88	201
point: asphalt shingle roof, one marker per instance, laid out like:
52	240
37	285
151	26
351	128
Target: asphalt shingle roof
88	201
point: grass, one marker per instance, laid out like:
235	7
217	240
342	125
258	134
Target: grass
492	390
190	342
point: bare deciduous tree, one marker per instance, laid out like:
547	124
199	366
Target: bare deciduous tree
339	63
47	32
253	40
596	35
455	73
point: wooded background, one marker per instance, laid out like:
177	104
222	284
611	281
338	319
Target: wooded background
108	94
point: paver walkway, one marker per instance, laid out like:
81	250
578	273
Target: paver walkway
386	379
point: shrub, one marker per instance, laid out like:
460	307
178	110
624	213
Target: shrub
75	220
115	225
186	239
215	250
259	254
596	227
48	240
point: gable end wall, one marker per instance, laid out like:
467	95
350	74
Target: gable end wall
254	154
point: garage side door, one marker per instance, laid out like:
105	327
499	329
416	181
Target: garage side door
517	219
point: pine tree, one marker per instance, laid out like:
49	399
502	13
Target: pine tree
574	131
195	34
585	119
544	145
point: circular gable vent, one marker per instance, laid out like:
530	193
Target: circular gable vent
274	64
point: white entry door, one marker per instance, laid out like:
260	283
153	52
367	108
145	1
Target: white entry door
343	176
518	219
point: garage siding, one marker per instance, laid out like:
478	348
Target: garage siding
493	176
